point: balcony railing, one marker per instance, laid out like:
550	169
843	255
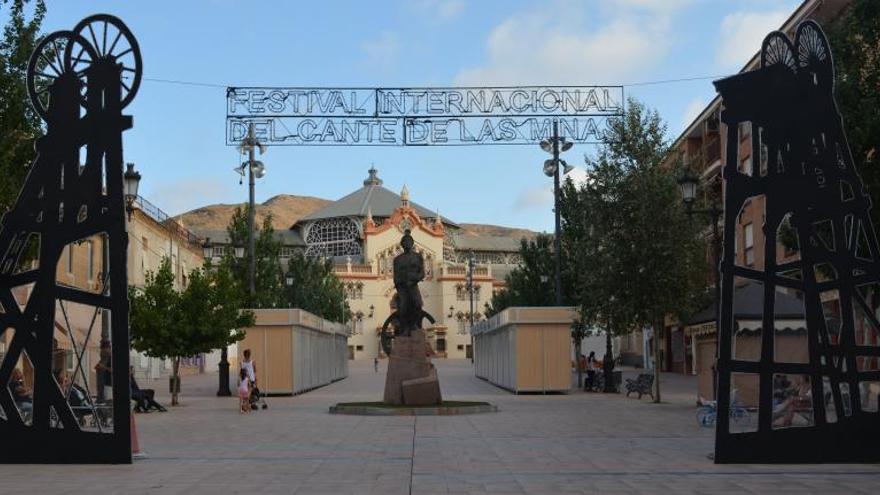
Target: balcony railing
479	271
359	269
160	216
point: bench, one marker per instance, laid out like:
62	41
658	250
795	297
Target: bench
643	385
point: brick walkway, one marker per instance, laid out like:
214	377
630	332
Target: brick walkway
578	443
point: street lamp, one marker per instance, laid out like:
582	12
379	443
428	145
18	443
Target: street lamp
472	261
131	179
555	145
451	309
687	185
288	279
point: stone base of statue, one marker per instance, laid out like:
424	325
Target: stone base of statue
412	379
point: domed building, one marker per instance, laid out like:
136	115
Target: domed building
361	232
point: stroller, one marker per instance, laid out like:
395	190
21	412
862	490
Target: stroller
257	400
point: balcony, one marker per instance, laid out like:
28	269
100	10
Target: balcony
461	271
353	269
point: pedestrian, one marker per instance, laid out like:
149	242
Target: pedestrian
104	372
591	371
244	392
248	365
21	395
376	364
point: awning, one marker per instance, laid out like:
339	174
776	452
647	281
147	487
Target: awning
748	303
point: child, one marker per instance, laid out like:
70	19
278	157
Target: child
244	393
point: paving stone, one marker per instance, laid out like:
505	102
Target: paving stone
567	443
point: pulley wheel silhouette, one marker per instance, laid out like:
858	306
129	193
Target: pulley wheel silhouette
51	53
112	41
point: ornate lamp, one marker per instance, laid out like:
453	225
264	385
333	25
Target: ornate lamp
132	180
687	185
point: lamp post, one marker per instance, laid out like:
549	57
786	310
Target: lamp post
255	170
687	185
472	260
555	145
223	368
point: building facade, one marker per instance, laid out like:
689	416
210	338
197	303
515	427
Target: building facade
361	233
79	328
690	347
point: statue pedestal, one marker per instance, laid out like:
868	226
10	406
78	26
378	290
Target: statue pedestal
412	379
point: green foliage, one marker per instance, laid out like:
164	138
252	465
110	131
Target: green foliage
267	266
855	46
153	315
19	124
635	256
316	288
531	283
206	315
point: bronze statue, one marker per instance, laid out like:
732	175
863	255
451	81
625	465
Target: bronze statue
409	270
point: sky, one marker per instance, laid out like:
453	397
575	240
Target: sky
178	139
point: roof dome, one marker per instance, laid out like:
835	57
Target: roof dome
373	179
371	198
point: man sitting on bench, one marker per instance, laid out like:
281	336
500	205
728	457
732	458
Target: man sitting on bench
145	399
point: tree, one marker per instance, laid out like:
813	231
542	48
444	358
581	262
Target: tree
19	124
267	266
636	254
531	282
168	324
855	45
316	288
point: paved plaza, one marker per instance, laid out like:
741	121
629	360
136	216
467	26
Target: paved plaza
576	443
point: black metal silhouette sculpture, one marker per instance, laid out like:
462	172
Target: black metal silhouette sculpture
90	75
806	173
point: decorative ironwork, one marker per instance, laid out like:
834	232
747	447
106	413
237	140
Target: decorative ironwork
94	70
420	116
821	407
333	237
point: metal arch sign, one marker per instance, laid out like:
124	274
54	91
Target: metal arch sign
420	116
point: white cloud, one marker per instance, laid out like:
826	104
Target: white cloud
544	47
655	5
741	34
381	52
442	10
692	110
534	197
542	196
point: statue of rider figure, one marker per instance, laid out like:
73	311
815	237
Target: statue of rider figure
409	270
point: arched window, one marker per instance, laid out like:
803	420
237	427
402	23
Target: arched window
333	237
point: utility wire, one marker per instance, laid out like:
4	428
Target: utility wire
639	83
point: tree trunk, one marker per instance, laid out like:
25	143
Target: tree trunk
658	328
175	378
608	365
577	362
